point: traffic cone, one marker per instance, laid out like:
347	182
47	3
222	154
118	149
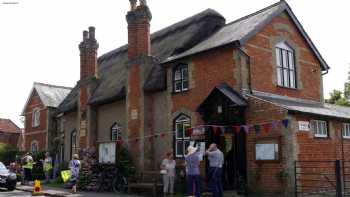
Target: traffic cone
37	190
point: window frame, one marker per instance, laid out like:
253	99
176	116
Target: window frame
346	129
181	119
36	143
316	132
283	65
35	117
119	132
182	80
73	133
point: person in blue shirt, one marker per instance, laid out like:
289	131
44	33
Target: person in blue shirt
193	177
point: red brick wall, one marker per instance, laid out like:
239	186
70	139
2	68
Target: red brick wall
208	70
260	49
262	176
34	103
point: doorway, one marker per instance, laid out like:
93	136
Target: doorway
225	107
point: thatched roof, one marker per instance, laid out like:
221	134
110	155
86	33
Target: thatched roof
167	42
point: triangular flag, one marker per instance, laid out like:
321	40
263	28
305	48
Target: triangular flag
150	138
215	129
222	129
266	127
162	135
257	129
274	125
237	129
246	128
119	142
285	123
190	131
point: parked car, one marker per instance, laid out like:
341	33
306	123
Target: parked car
8	179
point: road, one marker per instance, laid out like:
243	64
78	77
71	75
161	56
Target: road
16	193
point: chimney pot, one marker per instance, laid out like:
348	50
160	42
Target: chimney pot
92	33
85	35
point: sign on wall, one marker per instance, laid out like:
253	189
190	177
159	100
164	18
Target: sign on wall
304	125
107	152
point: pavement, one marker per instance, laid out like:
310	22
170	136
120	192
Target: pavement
60	192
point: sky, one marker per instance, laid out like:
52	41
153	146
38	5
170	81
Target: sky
39	38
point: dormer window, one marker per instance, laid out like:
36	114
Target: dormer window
180	78
36	117
285	61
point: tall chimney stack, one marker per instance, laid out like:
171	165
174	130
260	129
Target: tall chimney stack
139	40
88	54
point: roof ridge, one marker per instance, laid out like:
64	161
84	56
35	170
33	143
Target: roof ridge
50	85
159	33
257	12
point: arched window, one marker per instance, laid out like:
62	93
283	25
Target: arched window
73	143
34	146
116	131
182	139
285	61
36	117
180	78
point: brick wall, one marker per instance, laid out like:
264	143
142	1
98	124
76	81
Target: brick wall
261	50
35	133
262	177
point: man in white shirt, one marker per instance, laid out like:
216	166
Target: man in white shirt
216	161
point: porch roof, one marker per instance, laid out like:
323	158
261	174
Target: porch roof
304	106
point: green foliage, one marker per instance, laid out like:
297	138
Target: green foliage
337	98
9	153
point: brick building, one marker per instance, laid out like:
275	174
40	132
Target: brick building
203	74
39	127
10	133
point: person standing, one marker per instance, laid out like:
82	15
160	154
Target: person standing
168	171
193	178
74	166
27	168
47	166
216	161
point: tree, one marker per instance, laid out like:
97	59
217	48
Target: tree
337	98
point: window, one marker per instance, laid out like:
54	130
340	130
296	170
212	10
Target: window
346	130
116	132
182	139
320	128
36	117
34	147
285	60
180	78
73	143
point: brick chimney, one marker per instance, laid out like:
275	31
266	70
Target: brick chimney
138	18
88	54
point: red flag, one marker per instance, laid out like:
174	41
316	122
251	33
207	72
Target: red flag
120	142
237	129
267	127
162	135
190	131
215	129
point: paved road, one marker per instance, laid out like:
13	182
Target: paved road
16	193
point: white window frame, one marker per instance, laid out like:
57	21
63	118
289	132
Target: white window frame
184	122
182	78
320	128
286	68
35	117
116	131
36	143
346	131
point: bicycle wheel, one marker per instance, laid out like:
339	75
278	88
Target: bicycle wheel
120	184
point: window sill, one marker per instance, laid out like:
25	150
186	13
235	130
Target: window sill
321	137
346	137
179	92
289	88
267	161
